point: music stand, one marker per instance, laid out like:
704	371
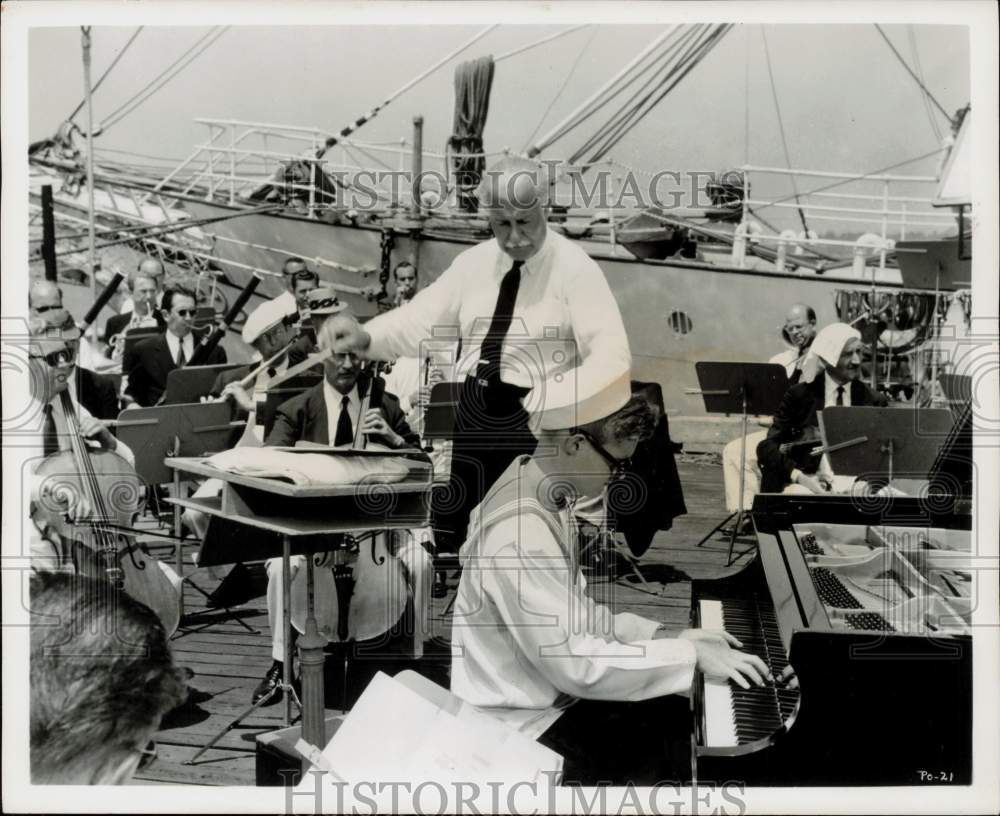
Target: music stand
957	390
161	431
305	519
439	415
744	389
135	336
191	383
866	441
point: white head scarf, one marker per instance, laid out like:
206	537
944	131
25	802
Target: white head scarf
830	342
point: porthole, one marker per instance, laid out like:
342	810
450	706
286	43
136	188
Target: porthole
680	322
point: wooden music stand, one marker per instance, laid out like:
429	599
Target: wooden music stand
303	520
191	383
883	443
744	389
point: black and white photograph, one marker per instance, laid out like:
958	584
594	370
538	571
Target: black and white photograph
500	408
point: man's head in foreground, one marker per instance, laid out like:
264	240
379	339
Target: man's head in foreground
341	369
102	677
839	347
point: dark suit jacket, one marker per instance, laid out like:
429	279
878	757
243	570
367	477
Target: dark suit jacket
97	393
226	377
304	418
797	417
117	323
148	366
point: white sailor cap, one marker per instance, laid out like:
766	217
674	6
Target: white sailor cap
572	400
830	341
266	316
324	301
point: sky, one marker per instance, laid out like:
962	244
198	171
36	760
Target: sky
846	102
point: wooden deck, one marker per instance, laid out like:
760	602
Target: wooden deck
229	661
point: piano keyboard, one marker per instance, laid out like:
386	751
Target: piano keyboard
734	715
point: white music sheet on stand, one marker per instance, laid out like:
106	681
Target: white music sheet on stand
395	734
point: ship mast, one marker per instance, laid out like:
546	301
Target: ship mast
91	239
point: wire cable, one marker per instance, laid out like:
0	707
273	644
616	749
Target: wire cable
107	71
909	70
781	129
164	77
920	73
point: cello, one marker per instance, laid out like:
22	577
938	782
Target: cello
99	544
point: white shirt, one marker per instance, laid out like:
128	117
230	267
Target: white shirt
790	359
128	305
334	405
565	317
404	381
527	641
174	344
831	385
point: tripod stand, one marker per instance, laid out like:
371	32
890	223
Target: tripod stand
744	388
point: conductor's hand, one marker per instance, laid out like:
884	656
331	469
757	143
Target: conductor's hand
374	423
348	335
239	395
717	660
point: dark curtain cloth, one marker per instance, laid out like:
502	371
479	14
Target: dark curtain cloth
639	511
473	81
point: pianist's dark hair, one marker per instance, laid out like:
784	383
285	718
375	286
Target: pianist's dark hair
102	676
174	292
634	420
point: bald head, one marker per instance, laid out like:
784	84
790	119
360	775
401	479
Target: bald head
150	268
800	325
513	196
43	296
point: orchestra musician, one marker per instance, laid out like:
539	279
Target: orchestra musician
532	649
328	414
299	281
405	276
151	268
154	358
833	379
531	278
145	313
798	332
51	361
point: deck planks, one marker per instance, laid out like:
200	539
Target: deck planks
229	661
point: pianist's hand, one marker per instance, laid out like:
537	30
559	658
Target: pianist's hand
717	660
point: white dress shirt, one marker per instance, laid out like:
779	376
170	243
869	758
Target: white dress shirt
334	405
565	317
830	400
526	639
174	344
790	359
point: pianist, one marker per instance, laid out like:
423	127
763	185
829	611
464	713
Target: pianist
530	648
786	461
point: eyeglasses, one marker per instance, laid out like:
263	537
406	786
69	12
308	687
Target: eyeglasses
302	274
618	467
184	312
57	358
44	309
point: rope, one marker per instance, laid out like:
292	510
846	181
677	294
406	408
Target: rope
182	62
920	73
559	93
910	72
781	129
536	43
628	117
107	71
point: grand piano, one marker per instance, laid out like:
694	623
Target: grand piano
870	602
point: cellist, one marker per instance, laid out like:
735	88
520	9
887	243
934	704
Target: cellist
51	360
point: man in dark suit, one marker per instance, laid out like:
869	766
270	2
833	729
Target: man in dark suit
153	359
144	312
328	414
837	350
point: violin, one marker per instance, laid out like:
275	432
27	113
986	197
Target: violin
101	548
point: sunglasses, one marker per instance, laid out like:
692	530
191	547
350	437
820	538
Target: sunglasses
44	309
55	359
184	312
618	467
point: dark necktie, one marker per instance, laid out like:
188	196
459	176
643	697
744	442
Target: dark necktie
345	431
503	313
181	358
840	395
50	436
